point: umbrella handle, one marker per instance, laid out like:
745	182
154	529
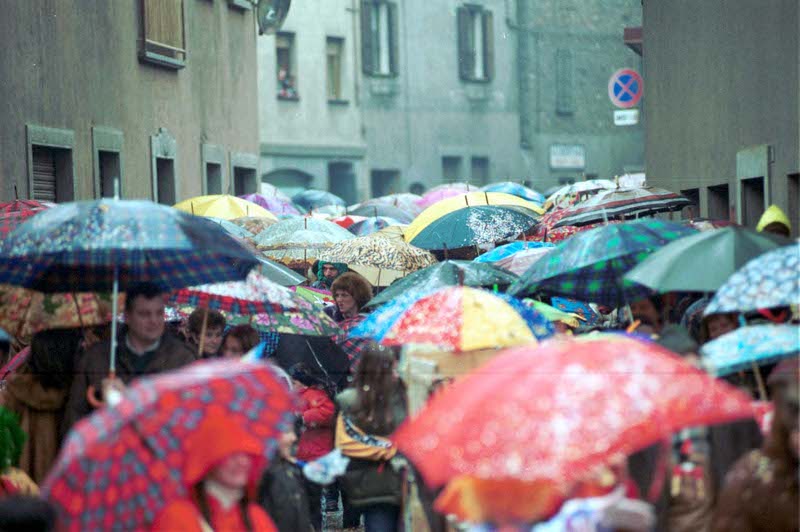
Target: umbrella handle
91	397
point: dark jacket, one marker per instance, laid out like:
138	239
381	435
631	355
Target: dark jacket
92	367
283	495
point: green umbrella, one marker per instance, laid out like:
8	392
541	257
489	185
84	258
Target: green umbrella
447	273
702	262
589	266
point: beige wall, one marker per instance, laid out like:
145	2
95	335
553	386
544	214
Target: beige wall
75	65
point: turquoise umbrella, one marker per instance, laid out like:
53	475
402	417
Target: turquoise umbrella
756	344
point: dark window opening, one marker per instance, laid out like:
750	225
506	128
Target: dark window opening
752	200
719	202
213	178
109	172
52	174
165	180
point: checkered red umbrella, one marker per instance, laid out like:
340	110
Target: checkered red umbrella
24	205
123	464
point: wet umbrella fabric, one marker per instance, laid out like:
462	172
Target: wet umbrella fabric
16	212
123	464
589	265
278	273
516	189
569	194
441	275
767	281
79	246
381	209
254	224
610	204
291	231
755	344
508	250
554	412
442	192
222	206
521	262
232	228
313	199
403	200
277	205
320	355
370	226
702	262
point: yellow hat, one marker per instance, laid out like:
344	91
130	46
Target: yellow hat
772	215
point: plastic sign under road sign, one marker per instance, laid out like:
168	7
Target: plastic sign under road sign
626	117
625	88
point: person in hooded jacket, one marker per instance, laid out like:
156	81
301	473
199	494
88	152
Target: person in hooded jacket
327	272
775	221
37	394
223	463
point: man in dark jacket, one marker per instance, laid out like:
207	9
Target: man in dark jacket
143	348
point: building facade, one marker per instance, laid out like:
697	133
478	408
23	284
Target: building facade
568	51
723	104
158	93
311	130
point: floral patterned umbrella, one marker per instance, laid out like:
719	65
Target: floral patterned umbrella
589	265
741	348
553	413
767	281
123	464
380	261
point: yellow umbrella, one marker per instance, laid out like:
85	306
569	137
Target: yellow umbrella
446	206
223	206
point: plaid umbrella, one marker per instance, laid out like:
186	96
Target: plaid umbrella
767	281
741	348
610	204
589	265
352	346
123	464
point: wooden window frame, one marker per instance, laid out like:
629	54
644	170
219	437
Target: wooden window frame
292	70
157	53
368	38
50	137
337	97
466	49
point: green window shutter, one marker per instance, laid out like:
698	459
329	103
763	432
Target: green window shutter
488	45
393	46
367	38
466	51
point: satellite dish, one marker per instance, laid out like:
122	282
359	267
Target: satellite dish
271	14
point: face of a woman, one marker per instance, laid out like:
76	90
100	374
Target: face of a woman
286	443
234	471
232	348
345	302
719	325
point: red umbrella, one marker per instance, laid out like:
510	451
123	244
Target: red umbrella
24	206
554	413
347	220
123	464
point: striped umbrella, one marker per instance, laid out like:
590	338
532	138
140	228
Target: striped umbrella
626	203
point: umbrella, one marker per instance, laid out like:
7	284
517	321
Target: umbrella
442	192
278	273
704	224
569	194
254	224
404	200
379	260
456	318
472	226
278	205
314	295
25	312
747	346
347	220
628	203
268	190
509	250
443	274
516	189
702	262
554	314
554	412
521	262
589	265
393	232
222	206
24	205
353	347
96	245
368	209
372	225
296	230
120	466
321	355
232	228
313	199
767	281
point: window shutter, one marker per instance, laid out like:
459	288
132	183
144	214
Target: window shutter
367	38
488	45
466	65
44	174
392	13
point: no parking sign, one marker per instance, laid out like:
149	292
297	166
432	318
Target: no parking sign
625	88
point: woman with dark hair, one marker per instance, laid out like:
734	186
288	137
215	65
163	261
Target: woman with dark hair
370	412
351	292
37	393
238	341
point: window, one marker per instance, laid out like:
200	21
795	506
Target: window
163	155
475	44
107	158
244	173
793	188
213	178
109	172
451	169
286	69
165	180
342	181
718	202
752	202
480	171
333	51
163	37
379	38
384	182
692	210
213	161
564	82
50	166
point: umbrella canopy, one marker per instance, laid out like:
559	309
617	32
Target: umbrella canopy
278	273
704	224
347	220
404	200
627	203
313	199
516	189
79	246
554	314
508	250
452	204
15	212
379	260
222	206
268	190
314	295
554	412
471	226
370	226
521	262
442	192
767	281
277	205
683	265
455	318
569	194
302	230
444	274
756	344
25	312
374	209
322	356
254	224
589	265
120	466
232	228
393	232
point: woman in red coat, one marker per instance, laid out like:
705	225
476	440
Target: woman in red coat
222	467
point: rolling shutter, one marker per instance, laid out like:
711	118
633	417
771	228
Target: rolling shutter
44	174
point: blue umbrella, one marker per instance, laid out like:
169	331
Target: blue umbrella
232	228
314	199
504	251
756	344
516	189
